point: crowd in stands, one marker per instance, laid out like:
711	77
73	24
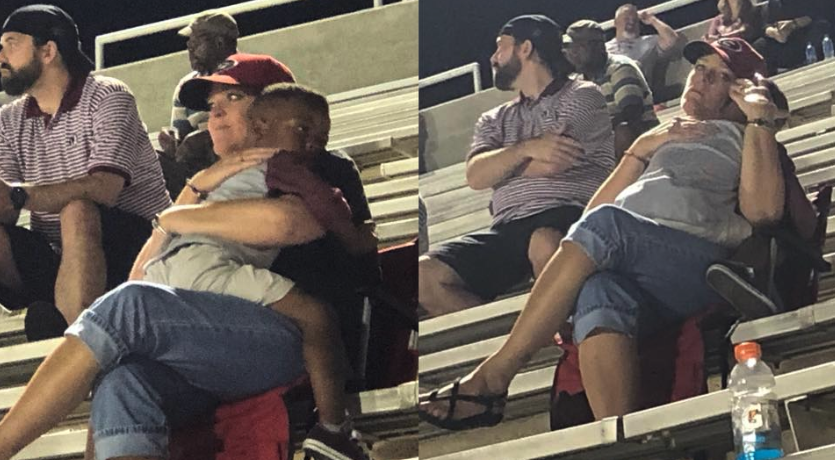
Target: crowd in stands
615	217
251	278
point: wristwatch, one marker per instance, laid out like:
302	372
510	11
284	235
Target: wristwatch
18	197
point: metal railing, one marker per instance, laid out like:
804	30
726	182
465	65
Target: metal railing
473	68
662	8
182	21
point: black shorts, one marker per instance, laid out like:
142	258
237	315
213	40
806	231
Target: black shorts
492	262
123	235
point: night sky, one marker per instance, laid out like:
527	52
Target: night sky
458	32
96	17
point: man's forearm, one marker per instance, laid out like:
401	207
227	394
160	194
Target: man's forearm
101	188
667	36
761	184
487	169
260	222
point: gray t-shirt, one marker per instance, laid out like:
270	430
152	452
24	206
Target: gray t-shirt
249	183
694	187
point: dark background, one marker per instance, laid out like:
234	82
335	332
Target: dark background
458	32
97	17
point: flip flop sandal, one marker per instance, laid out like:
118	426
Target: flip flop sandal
483	419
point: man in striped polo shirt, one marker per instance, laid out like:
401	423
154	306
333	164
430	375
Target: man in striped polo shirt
621	81
544	154
74	153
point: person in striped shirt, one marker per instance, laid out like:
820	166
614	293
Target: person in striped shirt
75	154
683	196
543	154
621	81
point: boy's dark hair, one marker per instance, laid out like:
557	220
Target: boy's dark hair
290	92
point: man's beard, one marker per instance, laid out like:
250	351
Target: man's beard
505	75
18	81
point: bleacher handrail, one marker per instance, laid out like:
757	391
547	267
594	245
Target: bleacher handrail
657	9
369	91
181	21
472	67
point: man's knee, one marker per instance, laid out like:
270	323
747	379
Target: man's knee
80	219
308	312
542	246
434	274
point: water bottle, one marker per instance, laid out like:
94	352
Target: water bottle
756	423
828	49
811	54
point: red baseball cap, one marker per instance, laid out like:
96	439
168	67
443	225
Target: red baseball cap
255	71
743	60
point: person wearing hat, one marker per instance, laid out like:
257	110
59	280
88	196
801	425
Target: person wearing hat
162	353
635	262
543	154
212	38
75	154
620	80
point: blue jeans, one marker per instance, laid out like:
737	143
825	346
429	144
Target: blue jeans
167	355
648	276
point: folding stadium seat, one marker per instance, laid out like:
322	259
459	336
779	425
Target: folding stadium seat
676	362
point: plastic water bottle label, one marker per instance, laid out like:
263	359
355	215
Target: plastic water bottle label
761	454
753	419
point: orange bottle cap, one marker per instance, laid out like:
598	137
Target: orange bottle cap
747	350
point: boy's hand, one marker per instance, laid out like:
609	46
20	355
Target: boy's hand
326	203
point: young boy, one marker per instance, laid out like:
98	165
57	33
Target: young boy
283	117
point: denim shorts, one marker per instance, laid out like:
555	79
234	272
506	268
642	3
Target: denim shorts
648	275
167	355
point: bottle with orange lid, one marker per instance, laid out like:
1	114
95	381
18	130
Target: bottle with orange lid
756	421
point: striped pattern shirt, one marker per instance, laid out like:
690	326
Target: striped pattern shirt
185	120
623	85
580	108
96	128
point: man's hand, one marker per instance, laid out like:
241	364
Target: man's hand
326	203
167	142
553	147
753	99
646	17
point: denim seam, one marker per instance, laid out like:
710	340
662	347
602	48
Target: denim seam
617	308
99	322
131	429
589	231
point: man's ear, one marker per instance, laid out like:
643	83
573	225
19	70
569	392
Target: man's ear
49	52
525	49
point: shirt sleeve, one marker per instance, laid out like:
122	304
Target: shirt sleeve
9	164
629	88
487	135
116	131
592	126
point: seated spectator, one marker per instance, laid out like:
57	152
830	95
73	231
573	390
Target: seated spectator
737	18
627	93
186	146
74	153
155	347
790	26
683	196
543	154
647	50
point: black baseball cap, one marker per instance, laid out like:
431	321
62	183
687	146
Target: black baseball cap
543	32
48	22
